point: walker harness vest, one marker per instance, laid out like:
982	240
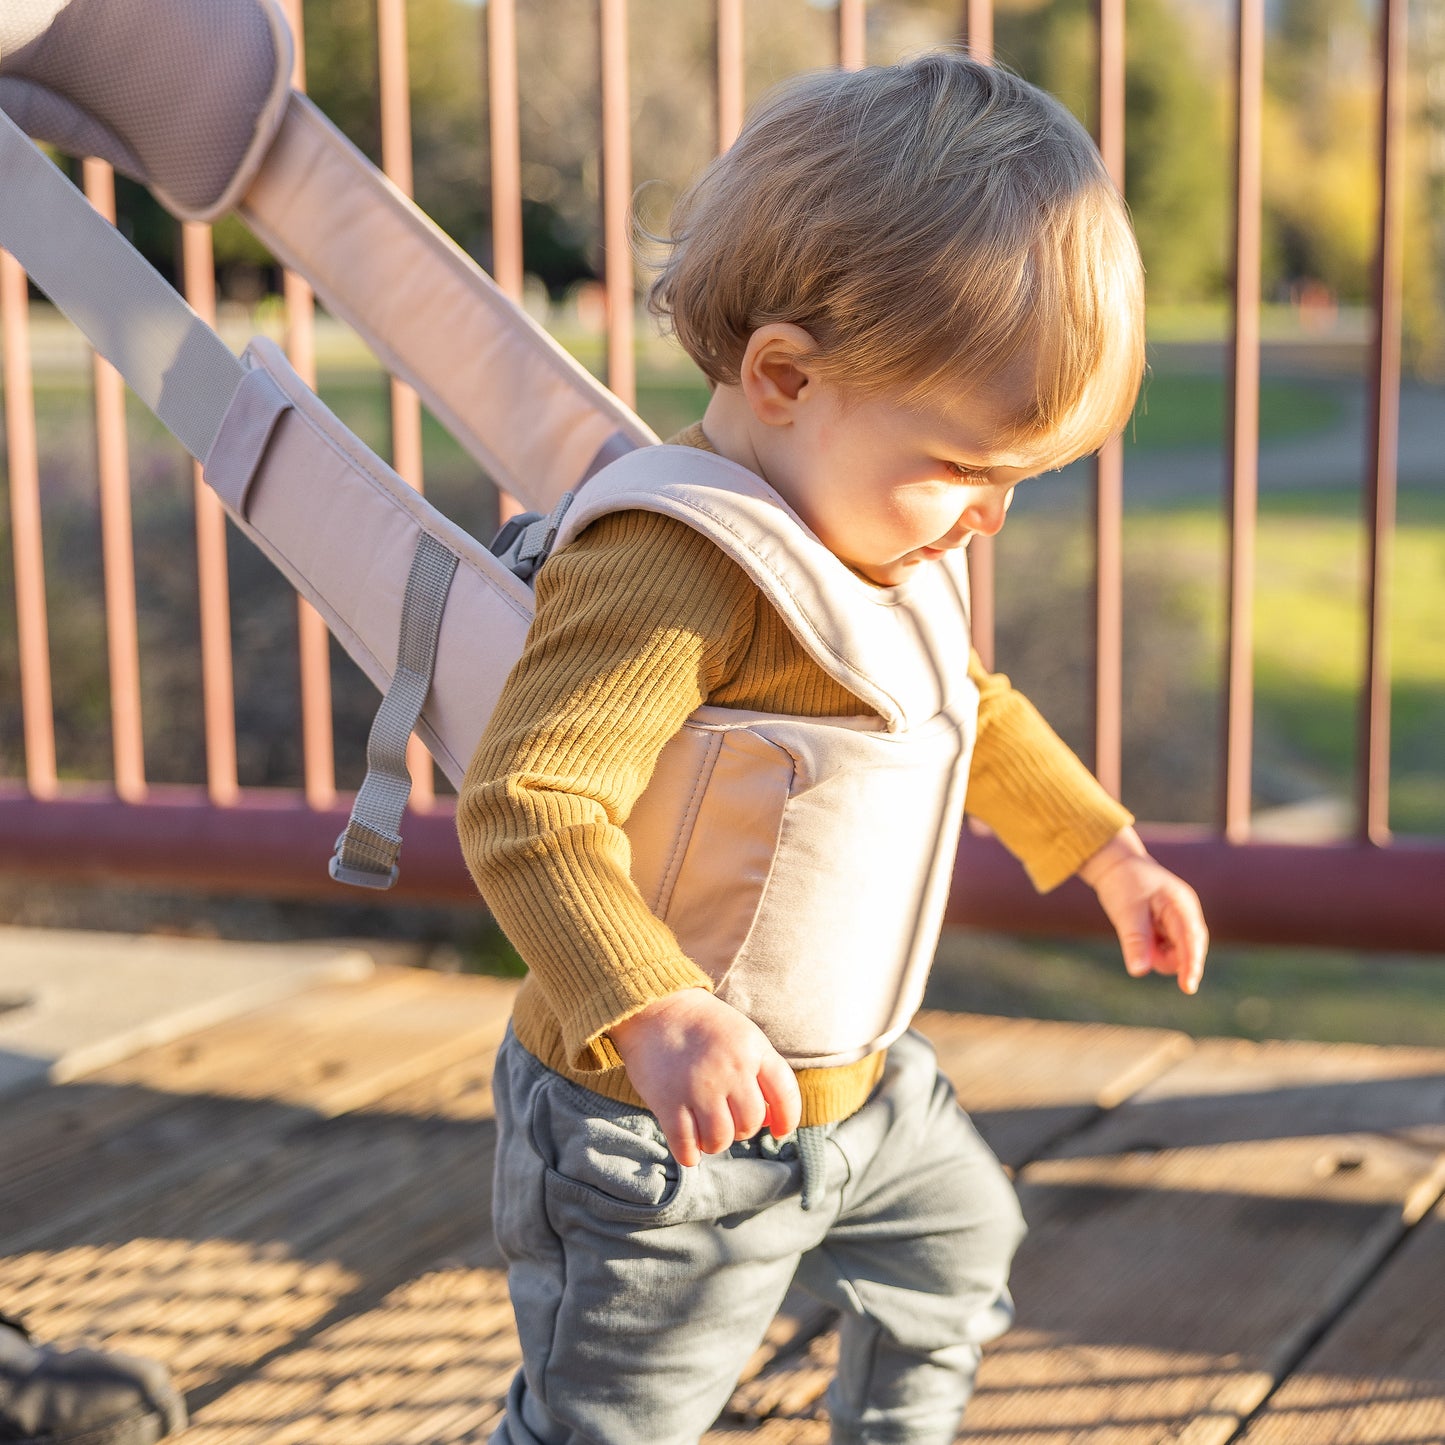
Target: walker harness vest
804	863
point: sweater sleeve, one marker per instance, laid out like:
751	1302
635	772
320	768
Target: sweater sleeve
1026	784
637	622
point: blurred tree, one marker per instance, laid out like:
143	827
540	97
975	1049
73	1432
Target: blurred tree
1176	166
448	105
672	106
1321	167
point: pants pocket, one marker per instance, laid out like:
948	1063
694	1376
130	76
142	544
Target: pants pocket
605	1156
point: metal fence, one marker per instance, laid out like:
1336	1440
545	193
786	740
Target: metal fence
1367	891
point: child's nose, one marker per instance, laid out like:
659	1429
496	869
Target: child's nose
986	516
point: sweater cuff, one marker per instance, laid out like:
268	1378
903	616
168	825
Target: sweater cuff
1049	811
1073	847
586	1020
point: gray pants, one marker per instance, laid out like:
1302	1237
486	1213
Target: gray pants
641	1289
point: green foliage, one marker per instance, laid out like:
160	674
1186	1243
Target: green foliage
448	106
1255	993
1309	642
1176	142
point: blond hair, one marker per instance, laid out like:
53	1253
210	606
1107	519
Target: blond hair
938	225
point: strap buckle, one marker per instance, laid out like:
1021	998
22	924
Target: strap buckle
526	540
358	875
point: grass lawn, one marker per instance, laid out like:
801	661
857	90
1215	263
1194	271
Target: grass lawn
1173	411
1188	411
1259	993
1309	635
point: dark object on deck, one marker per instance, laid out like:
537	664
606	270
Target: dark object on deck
50	1396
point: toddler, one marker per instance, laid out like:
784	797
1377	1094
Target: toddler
717	806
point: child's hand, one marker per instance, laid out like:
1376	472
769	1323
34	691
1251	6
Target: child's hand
708	1073
1156	914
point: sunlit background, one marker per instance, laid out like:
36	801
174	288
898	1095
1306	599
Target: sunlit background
1320	182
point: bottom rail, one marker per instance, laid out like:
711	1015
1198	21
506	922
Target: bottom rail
1342	895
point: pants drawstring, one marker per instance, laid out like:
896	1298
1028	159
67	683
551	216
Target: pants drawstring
813	1156
810	1145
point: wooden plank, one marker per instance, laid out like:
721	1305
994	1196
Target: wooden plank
800	1320
89	999
431	1362
776	1430
154	1120
1378	1376
1182	1245
1183	1248
279	1230
335	1048
282	1046
1028	1082
256	1254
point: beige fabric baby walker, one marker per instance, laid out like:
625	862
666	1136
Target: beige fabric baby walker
192	97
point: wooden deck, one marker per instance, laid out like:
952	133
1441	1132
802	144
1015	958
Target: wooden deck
1230	1241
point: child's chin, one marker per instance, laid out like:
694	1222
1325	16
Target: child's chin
892	574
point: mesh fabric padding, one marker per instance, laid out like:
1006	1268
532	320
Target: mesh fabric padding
179	94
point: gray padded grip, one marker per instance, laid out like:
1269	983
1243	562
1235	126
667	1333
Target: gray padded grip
185	98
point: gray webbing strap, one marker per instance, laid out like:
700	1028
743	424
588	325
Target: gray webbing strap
132	316
366	852
812	1142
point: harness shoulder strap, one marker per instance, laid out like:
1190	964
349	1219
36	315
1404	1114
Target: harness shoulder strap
902	650
132	316
225	415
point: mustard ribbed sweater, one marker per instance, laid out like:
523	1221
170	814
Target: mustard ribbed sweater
640	621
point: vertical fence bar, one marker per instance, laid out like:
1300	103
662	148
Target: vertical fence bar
117	538
506	142
396	161
617	200
22	456
504	112
852	34
218	699
317	750
1109	464
730	54
978	35
1243	480
1383	433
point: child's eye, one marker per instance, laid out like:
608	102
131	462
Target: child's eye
966	473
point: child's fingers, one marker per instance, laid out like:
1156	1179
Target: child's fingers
1181	921
779	1086
679	1128
749	1110
1136	940
715	1128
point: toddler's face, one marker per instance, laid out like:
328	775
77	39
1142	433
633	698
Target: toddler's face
888	487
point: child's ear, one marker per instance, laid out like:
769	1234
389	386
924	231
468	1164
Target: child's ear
775	372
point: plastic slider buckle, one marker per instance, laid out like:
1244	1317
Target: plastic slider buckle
360	877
